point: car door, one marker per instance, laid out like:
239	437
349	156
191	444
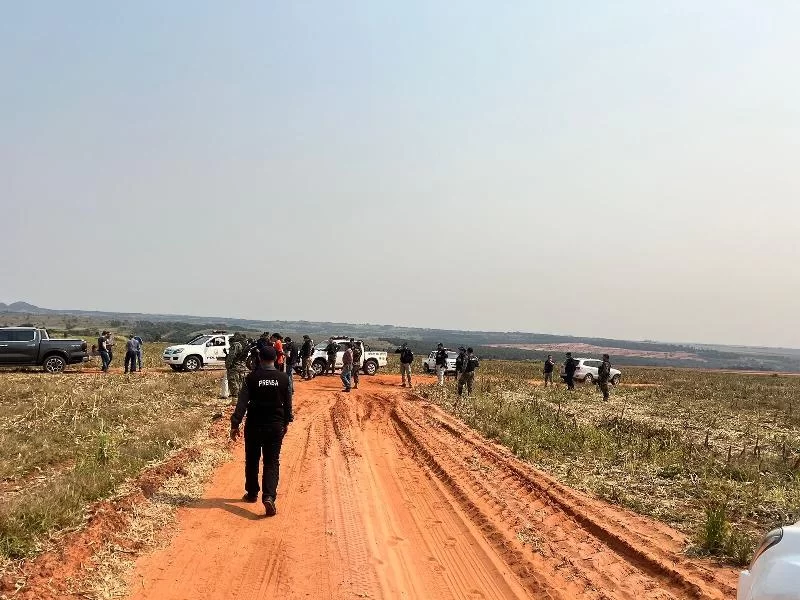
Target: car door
591	366
6	357
20	346
215	351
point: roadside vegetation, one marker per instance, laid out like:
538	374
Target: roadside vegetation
68	440
715	455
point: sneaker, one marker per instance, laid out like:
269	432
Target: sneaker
249	498
269	506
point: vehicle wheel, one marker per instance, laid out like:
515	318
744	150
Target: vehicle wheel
589	379
192	363
426	368
175	367
54	364
319	366
371	367
615	380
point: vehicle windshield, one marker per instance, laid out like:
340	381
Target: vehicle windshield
199	340
451	354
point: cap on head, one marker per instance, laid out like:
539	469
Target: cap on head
606	356
470	350
268	354
569	354
305	337
462	349
287	339
440	345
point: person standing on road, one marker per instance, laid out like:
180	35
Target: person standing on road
570	366
266	400
441	363
102	350
236	363
332	349
110	346
549	365
406	359
468	376
461	360
356	347
290	350
603	375
277	343
347	366
306	352
140	353
131	354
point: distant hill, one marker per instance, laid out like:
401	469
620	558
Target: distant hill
515	345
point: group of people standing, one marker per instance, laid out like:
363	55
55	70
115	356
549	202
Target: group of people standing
466	363
134	350
571	366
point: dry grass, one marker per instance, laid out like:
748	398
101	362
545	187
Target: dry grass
689	448
67	440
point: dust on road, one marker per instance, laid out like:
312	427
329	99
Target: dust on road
385	496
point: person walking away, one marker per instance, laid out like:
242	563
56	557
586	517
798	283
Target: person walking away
461	360
468	376
441	363
110	346
102	350
357	364
332	349
140	353
549	365
267	402
603	375
291	352
306	352
570	366
131	354
347	366
236	363
406	359
277	343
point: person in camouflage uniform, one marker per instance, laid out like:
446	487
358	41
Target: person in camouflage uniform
236	364
603	375
356	362
332	349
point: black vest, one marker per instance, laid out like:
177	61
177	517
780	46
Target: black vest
268	390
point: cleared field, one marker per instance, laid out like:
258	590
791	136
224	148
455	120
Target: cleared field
70	439
716	455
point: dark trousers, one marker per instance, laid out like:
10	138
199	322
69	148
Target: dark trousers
263	440
130	360
603	385
139	358
354	374
104	356
331	364
570	381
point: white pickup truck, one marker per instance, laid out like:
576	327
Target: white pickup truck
207	350
371	360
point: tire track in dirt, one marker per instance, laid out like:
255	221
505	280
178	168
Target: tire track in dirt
385	496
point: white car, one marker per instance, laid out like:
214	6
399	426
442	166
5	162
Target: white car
774	572
207	350
371	360
429	364
587	371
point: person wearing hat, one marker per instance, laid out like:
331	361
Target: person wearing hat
441	363
266	401
331	350
291	354
570	366
306	352
406	359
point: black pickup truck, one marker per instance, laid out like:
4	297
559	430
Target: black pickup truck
29	346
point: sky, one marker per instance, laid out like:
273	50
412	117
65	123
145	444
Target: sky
620	169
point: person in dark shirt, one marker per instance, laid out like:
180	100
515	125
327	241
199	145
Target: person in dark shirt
468	376
441	363
549	365
292	357
102	349
332	349
603	375
306	352
461	360
357	364
570	366
406	360
266	400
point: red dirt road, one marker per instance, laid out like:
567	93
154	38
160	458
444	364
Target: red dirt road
385	496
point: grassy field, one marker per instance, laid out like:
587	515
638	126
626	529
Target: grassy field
70	439
716	455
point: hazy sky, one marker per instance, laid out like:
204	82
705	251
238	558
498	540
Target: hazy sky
625	169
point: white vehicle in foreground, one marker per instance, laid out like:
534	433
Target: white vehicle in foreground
207	350
371	360
429	364
587	371
774	572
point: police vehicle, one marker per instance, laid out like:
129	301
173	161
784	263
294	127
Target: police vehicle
774	572
206	350
371	360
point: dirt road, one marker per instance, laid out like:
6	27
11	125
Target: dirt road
384	496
